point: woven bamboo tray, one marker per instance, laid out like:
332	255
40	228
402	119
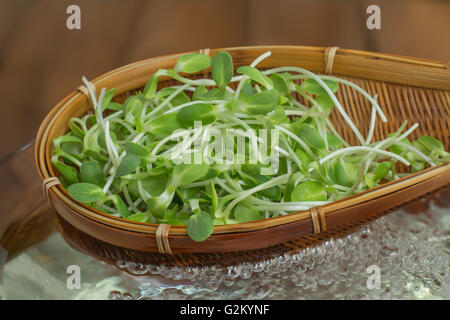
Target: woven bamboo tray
410	89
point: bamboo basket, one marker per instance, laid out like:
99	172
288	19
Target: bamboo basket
410	89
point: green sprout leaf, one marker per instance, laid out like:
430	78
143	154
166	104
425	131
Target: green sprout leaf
431	143
163	125
107	98
309	191
200	226
180	98
344	176
193	62
222	69
75	129
188	173
136	149
198	93
86	192
260	103
325	102
204	113
128	165
311	136
333	141
70	174
379	173
150	87
243	213
280	84
213	94
313	87
91	172
139	217
133	108
256	75
120	205
381	170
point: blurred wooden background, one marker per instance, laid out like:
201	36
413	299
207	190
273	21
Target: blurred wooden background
41	61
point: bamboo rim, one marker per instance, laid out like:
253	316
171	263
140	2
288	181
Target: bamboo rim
429	74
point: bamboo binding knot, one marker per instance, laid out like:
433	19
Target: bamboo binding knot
318	220
328	57
85	90
204	51
47	184
162	238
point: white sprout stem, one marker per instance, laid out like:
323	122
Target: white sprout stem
265	55
131	205
82	123
420	154
363	148
176	135
143	193
408	132
294	112
166	101
293	155
360	90
199	82
107	166
223	185
258	188
288	166
124	124
334	132
339	187
185	145
391	140
297	139
114	115
138	137
72	158
96	104
251	136
110	146
195	184
282	151
169	138
91	91
244	78
348	83
115	167
138	202
297	104
98	109
181	106
108	184
329	92
322	132
372	123
111	210
239	87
